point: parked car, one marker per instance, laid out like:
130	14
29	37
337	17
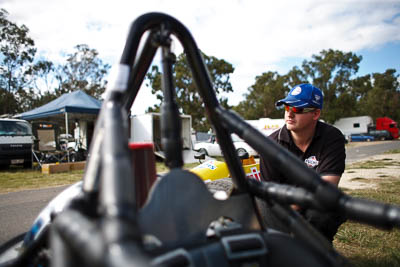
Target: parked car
380	134
361	137
211	147
200	137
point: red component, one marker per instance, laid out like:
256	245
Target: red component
141	145
144	169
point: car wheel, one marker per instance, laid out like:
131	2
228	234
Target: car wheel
240	150
203	150
368	140
28	164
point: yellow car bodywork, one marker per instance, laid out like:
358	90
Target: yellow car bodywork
213	170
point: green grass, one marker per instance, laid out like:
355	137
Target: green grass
365	245
373	164
160	166
16	178
393	151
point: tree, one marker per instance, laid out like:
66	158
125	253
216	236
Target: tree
19	72
263	94
40	89
187	96
17	53
83	71
383	98
359	87
331	71
43	76
296	76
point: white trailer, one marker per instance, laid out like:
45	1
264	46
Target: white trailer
354	125
147	128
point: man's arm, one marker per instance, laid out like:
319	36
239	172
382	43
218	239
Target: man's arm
333	179
334	155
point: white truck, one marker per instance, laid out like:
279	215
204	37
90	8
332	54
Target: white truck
147	128
16	141
266	125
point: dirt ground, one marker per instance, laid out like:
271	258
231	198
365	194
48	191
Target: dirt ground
358	178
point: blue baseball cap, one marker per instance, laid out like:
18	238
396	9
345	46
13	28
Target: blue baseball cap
303	96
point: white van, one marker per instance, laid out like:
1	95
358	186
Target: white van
16	141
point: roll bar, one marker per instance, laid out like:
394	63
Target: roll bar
130	75
131	72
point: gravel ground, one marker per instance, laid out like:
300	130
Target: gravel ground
221	185
358	178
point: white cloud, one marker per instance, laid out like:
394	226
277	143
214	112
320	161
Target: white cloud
256	36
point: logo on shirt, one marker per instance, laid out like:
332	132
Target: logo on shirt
311	162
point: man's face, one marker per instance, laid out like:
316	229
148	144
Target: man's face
297	122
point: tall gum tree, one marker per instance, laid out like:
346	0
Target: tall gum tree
17	52
187	96
260	101
332	71
83	70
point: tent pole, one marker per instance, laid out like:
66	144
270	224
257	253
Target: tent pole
66	132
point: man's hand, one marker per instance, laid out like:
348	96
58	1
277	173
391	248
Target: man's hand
333	179
295	207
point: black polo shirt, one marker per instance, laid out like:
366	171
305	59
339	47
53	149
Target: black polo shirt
326	153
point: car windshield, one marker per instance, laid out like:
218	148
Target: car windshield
15	128
236	138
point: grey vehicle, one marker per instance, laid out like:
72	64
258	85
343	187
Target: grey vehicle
380	134
16	141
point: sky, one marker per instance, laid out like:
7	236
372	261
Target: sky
256	36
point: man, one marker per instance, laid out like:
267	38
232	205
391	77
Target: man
320	145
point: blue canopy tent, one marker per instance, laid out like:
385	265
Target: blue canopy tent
75	102
75	105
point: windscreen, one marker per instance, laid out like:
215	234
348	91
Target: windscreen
15	128
236	138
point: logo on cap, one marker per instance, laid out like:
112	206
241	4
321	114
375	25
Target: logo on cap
296	91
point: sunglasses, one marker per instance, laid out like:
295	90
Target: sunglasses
299	110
